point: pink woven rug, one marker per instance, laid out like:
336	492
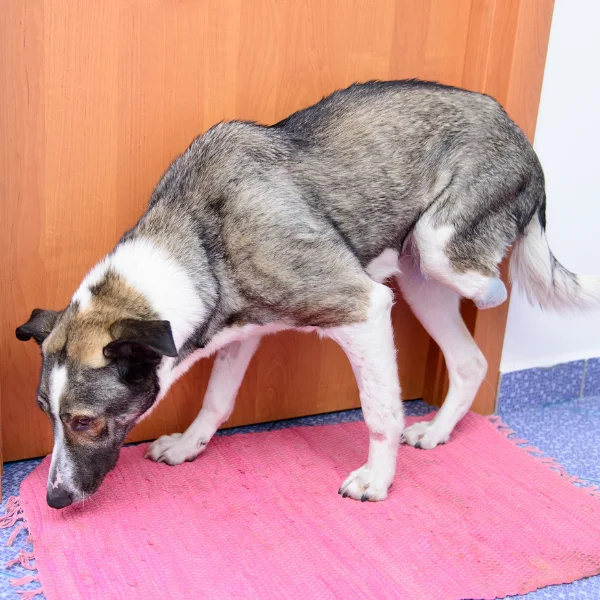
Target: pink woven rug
258	516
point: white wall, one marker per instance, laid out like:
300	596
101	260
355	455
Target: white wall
568	143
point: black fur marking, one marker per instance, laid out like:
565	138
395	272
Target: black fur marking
542	213
38	326
131	335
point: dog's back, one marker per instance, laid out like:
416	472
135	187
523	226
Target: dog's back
367	169
376	156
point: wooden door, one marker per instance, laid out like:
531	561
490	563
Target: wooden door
99	97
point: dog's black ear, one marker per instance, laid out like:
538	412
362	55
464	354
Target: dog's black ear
40	324
141	341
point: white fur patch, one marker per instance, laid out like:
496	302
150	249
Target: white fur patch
370	349
226	377
58	468
438	309
159	278
431	242
383	266
164	282
171	293
169	374
58	380
546	282
83	295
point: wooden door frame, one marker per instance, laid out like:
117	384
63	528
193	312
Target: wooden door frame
508	43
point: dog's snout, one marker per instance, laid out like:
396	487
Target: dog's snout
59	497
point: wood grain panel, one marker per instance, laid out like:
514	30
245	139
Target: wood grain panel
101	96
506	55
528	59
22	219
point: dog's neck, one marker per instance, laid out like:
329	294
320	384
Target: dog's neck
166	286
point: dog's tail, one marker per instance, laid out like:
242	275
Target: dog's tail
544	280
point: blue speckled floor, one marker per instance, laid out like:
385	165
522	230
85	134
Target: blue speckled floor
558	411
569	432
567	429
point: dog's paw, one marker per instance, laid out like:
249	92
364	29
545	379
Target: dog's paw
173	449
366	484
494	295
425	435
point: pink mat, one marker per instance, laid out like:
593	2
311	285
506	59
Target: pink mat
258	516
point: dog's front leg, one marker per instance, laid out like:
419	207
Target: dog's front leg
228	371
370	348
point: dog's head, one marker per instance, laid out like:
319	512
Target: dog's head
99	376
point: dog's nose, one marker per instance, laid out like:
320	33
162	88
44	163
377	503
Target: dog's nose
59	497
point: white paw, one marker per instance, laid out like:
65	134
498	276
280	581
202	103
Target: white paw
366	484
494	295
425	435
174	449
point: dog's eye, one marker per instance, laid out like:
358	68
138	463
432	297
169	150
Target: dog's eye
81	423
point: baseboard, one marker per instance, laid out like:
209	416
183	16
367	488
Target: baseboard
548	385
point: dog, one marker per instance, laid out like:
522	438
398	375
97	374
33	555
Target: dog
256	229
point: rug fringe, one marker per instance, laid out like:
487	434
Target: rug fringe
13	512
31	594
23	559
24	580
551	462
14	516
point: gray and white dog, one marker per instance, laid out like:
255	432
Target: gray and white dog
257	229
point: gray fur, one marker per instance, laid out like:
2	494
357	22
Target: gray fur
277	224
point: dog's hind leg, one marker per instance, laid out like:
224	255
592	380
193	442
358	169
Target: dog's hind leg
463	261
369	346
227	374
438	308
